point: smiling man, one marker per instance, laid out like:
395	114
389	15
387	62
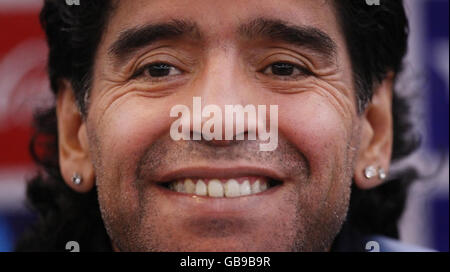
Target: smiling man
116	180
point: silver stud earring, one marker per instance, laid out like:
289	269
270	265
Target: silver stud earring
381	174
370	172
77	179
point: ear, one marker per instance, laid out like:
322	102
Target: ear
73	144
376	135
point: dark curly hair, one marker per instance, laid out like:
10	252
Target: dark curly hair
376	37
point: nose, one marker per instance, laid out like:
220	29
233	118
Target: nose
223	80
222	83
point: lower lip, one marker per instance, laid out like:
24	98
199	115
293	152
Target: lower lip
217	205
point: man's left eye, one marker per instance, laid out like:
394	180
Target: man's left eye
284	69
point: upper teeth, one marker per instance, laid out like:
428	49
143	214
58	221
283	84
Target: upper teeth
218	188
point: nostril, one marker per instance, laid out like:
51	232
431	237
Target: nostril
220	142
197	135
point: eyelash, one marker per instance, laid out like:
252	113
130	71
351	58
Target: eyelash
302	71
142	71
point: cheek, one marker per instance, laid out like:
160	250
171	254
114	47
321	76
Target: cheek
135	125
313	125
322	135
123	134
129	128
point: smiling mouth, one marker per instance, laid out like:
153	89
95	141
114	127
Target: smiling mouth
222	187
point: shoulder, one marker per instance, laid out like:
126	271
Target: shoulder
382	243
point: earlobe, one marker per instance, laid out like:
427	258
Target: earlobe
73	145
372	165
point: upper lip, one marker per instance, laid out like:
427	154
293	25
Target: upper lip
209	172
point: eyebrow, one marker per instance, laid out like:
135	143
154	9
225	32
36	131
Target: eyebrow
131	40
304	36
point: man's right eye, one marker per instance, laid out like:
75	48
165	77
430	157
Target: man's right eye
157	70
162	70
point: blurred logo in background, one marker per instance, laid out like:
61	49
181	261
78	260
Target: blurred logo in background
23	80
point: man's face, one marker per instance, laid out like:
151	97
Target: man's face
263	52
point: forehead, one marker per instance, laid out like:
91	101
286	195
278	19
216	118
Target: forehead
220	19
